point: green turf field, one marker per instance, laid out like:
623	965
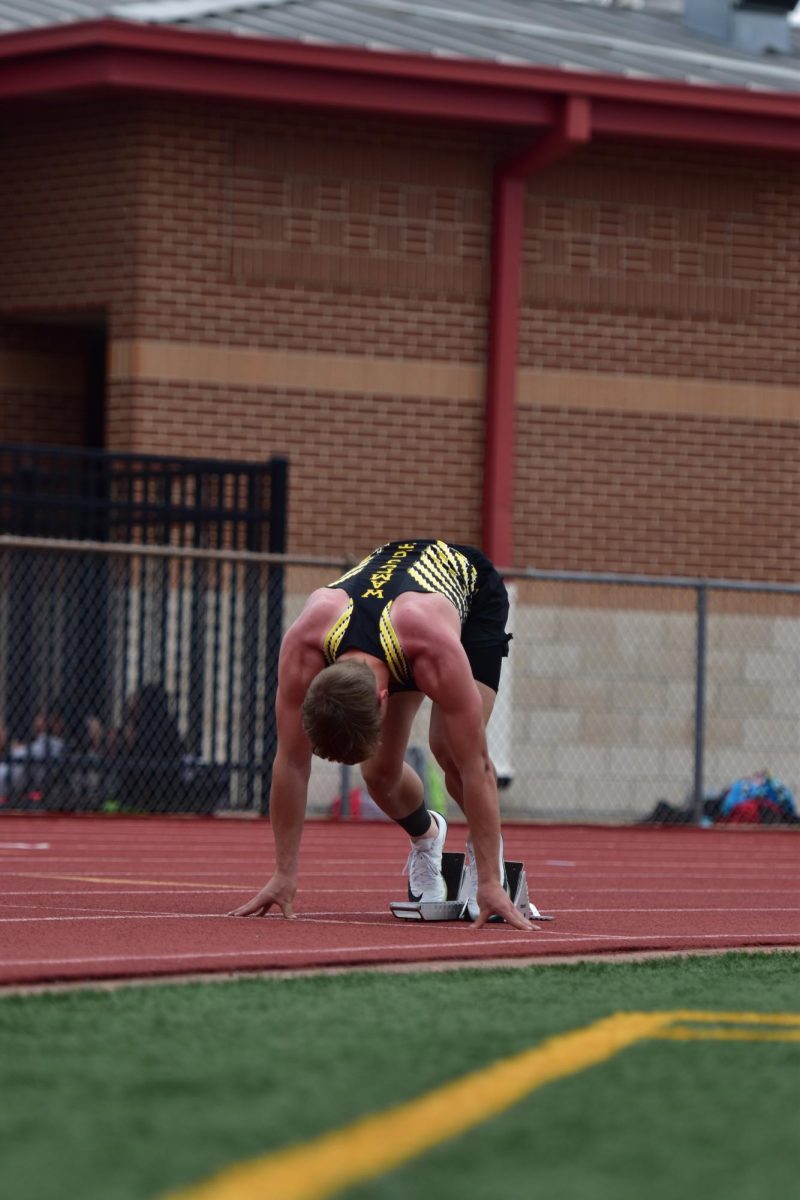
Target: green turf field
128	1094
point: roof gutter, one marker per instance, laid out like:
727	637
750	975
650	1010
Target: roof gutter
572	130
122	56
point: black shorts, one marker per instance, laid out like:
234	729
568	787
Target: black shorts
483	634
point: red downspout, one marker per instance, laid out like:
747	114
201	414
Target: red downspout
573	129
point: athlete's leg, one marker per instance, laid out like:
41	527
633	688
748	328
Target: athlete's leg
441	749
444	757
397	789
391	782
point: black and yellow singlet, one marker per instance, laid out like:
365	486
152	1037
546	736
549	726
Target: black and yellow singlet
377	581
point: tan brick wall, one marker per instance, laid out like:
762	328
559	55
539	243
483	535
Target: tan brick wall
251	230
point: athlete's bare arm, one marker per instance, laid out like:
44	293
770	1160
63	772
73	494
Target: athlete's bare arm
300	660
429	631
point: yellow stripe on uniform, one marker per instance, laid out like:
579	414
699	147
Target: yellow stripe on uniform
433	579
442	569
333	639
462	566
390	644
376	1144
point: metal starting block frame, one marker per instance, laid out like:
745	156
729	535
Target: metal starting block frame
516	884
454	908
454	872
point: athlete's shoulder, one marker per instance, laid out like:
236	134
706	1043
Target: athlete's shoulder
322	607
424	619
301	654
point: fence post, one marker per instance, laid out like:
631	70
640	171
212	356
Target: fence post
279	473
700	703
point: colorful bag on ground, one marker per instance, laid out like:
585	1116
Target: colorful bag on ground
757	800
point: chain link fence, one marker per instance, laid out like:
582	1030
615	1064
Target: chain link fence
137	678
626	692
142	679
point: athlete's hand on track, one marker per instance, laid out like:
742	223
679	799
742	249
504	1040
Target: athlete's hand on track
279	890
494	901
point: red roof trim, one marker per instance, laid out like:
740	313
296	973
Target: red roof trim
118	54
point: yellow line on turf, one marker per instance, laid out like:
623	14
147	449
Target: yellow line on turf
187	883
736	1018
376	1144
684	1034
379	1143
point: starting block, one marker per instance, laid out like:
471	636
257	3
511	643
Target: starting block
454	907
516	884
454	872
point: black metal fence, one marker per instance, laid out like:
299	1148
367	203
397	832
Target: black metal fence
137	706
147	670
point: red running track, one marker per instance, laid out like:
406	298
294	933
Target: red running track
90	898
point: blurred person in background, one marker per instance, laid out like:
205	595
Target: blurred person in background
415	618
150	752
25	764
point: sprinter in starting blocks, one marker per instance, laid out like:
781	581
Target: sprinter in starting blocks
460	904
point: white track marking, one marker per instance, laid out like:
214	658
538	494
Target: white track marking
553	939
735	908
179	891
576	889
24	845
335	916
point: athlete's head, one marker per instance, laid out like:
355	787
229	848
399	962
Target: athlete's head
342	712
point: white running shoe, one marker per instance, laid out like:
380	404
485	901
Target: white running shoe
424	866
472	911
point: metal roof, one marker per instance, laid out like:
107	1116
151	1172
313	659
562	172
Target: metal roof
639	39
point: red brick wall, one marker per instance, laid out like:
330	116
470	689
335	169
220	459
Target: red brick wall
239	227
313	235
41	385
658	493
671	263
361	468
265	232
68	204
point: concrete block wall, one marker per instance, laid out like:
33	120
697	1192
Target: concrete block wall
603	714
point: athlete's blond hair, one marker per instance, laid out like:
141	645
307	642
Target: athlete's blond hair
341	713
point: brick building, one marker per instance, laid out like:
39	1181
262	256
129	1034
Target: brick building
546	305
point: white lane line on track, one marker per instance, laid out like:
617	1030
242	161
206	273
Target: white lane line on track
114	916
84	913
179	891
24	846
335	917
577	890
772	870
249	860
790	939
727	908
